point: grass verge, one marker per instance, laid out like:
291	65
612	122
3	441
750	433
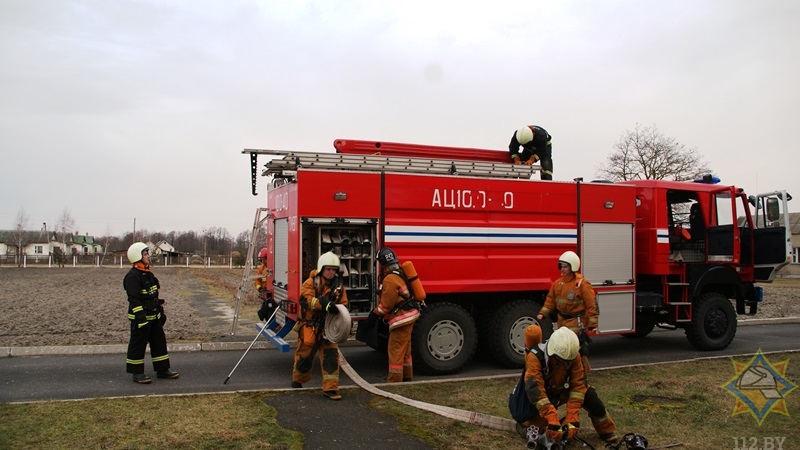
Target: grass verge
666	403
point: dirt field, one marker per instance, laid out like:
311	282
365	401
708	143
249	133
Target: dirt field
87	306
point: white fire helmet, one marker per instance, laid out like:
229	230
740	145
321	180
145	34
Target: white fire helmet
327	259
564	344
135	251
524	135
572	259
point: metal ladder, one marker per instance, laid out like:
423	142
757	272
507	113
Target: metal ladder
683	308
292	161
246	284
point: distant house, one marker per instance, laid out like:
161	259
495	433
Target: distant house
32	243
83	245
39	243
163	248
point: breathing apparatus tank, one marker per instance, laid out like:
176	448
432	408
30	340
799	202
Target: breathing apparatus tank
413	280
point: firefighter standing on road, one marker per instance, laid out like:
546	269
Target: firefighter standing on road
554	376
536	146
400	308
147	317
572	296
319	295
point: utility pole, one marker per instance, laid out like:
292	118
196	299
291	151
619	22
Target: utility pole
47	239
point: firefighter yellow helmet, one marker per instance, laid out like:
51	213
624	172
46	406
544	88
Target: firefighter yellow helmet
135	251
327	259
533	335
564	344
524	135
572	259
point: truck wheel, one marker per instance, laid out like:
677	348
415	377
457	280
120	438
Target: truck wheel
506	332
713	322
444	339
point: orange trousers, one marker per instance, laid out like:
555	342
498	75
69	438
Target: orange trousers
400	365
328	358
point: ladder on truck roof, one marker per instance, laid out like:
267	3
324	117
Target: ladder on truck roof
291	161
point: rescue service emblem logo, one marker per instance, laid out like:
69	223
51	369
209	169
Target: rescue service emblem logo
760	387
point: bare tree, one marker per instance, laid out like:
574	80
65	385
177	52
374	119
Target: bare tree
20	236
646	154
65	225
105	241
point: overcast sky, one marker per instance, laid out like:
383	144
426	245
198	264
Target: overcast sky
123	110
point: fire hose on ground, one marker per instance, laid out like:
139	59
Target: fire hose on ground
475	418
471	417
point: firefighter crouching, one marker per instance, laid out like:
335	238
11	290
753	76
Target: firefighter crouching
400	309
554	376
573	298
147	317
319	295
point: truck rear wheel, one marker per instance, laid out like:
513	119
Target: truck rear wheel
713	322
444	339
506	331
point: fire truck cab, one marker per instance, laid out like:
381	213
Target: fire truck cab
485	239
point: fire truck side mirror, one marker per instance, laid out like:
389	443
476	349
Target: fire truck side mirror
773	209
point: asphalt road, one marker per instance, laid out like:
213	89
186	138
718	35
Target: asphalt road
68	377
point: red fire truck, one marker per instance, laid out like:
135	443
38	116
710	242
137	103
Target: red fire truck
485	237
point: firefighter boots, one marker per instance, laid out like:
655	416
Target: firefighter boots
333	395
167	374
141	378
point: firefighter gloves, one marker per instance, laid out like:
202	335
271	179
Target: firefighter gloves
141	318
572	429
331	308
554	432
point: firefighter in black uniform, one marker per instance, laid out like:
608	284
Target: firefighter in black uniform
536	146
147	317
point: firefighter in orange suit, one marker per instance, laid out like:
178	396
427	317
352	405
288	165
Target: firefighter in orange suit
572	296
398	306
554	376
261	277
319	295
